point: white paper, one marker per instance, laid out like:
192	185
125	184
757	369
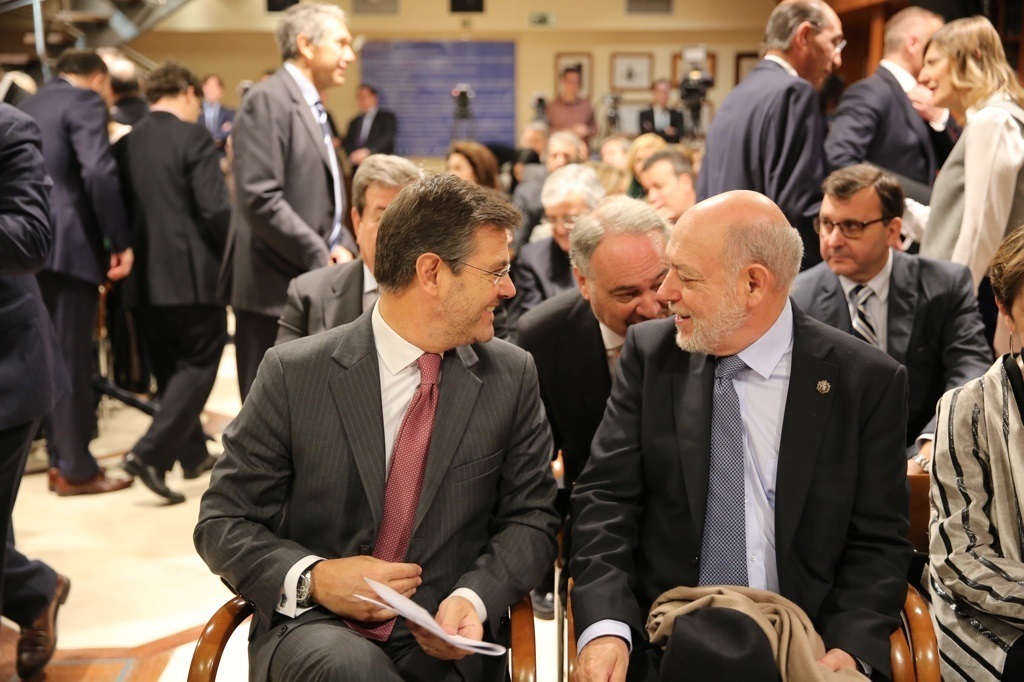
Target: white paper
413	612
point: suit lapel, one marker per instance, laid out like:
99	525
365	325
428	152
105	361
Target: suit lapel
902	305
345	302
913	119
812	385
835	312
585	359
693	378
458	390
356	389
305	115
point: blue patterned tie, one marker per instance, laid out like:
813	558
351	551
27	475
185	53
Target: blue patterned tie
863	326
723	554
321	118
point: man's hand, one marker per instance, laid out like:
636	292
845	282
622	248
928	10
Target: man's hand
921	99
339	254
120	264
913	468
458	617
336	582
358	156
604	659
837	659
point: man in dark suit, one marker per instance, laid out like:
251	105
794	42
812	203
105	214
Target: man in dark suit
334	295
180	211
302	506
887	119
91	244
373	131
618	257
216	117
922	312
744	443
658	118
32	377
542	268
767	136
288	207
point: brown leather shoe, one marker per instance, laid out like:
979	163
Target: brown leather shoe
38	641
98	483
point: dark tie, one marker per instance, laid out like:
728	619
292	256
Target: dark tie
408	461
723	554
863	326
321	117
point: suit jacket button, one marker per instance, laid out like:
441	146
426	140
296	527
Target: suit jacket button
283	629
365	550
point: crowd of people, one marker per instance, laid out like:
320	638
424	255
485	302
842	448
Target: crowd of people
735	346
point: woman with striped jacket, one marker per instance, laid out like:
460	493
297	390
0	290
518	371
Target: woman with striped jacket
976	571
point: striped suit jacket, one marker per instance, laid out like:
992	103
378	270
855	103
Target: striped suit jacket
976	572
303	473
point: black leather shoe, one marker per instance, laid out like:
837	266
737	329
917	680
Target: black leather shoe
151	477
543	604
199	469
38	641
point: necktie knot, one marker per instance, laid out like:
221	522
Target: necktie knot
861	293
430	366
321	112
729	366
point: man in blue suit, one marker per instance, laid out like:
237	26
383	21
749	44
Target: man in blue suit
767	136
217	118
90	245
887	119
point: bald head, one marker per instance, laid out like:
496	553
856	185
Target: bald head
733	259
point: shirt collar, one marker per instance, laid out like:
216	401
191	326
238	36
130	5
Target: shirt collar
783	63
306	87
211	107
612	341
903	77
395	352
878	284
763	355
369	281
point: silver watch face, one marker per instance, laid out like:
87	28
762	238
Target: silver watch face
302	589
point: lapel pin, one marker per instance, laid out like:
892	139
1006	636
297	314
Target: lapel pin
824	387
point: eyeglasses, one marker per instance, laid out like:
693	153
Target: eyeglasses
851	229
497	274
838	48
568	221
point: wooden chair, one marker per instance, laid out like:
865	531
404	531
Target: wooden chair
915	651
215	636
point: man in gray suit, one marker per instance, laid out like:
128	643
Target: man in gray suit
335	295
922	312
288	187
306	501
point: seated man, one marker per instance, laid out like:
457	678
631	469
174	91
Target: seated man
337	294
744	443
922	312
319	486
562	149
668	179
618	257
542	267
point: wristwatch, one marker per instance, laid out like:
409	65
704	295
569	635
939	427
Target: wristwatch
922	461
304	591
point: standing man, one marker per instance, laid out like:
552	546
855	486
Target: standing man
569	111
658	118
922	312
746	444
33	378
887	119
180	212
373	131
91	244
129	106
668	179
217	118
289	198
768	134
331	296
325	482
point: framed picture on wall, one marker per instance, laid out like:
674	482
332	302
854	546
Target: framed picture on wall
585	61
745	62
679	69
632	70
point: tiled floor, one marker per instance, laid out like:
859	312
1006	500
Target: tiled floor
139	591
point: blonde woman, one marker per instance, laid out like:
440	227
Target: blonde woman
639	152
976	571
979	193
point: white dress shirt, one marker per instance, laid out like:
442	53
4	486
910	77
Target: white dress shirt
878	305
370	291
367	123
790	69
762	389
612	345
399	379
